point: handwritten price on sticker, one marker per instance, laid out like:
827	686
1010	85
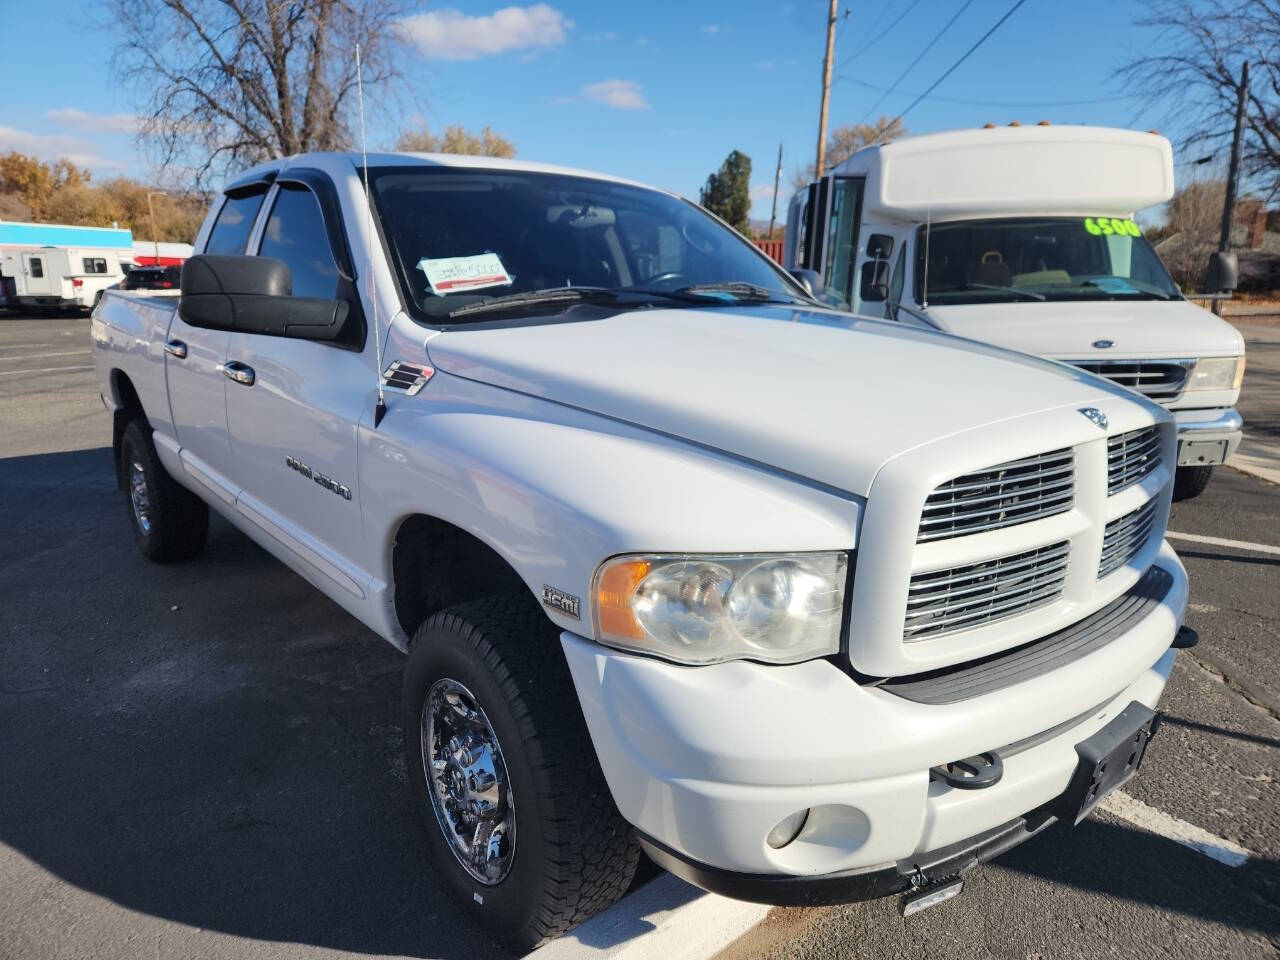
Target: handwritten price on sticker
1106	226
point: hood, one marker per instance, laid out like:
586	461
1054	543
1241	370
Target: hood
1067	330
824	396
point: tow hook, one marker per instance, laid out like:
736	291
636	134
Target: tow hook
926	893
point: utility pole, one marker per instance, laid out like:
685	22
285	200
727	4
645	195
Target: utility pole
821	165
777	179
1233	171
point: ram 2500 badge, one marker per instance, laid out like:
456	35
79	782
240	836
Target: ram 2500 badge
810	607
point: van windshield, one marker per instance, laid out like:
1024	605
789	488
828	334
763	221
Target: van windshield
1050	258
469	244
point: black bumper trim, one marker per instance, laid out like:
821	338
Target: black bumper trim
848	886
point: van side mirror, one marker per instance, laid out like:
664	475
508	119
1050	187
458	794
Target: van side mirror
1224	272
810	280
875	281
254	295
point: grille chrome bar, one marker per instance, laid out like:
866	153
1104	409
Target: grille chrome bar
1131	457
1124	538
1006	494
945	601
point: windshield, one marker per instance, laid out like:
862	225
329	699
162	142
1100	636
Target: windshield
1059	258
461	238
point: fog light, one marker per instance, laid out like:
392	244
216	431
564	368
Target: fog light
788	829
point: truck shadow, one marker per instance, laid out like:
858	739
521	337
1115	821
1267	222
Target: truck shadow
211	743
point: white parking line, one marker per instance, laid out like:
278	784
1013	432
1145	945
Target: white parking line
666	919
1134	811
14	373
1221	542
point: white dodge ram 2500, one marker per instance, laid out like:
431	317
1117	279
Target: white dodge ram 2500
812	608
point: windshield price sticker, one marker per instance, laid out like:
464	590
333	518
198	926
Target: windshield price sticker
457	274
1106	226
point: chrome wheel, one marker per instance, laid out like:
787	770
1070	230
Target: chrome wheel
140	497
470	791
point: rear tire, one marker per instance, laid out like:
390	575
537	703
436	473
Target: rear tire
1190	482
169	522
571	854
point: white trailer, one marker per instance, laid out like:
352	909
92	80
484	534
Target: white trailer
61	277
1025	237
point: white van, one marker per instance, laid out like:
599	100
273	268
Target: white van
61	277
1025	237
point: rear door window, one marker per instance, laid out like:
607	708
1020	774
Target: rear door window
230	233
37	267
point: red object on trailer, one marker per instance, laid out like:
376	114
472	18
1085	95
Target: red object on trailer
154	261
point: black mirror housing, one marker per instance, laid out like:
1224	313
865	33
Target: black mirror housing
1224	272
253	295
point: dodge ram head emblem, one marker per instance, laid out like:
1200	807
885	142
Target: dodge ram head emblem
1095	416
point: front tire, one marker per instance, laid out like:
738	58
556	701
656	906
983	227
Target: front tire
519	822
169	522
1190	482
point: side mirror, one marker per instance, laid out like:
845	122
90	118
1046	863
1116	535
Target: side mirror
1224	272
810	280
875	281
254	295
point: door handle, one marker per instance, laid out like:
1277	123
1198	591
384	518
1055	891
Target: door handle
176	348
241	373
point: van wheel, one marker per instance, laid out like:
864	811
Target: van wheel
518	819
1190	482
169	521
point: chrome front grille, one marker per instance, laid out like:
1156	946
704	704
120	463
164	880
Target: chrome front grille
977	594
1131	456
1001	496
1158	379
1124	538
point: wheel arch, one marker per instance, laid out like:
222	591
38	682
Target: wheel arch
436	564
127	407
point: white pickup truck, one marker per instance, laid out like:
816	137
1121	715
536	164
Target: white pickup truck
811	608
1025	237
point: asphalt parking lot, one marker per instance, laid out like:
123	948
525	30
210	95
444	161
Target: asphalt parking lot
203	760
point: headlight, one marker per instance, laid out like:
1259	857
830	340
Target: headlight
776	608
1217	373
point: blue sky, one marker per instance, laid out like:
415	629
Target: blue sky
656	91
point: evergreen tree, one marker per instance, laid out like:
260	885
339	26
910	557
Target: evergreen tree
728	192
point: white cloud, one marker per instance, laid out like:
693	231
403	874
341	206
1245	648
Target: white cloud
619	94
94	122
451	35
49	146
642	41
711	28
765	64
764	192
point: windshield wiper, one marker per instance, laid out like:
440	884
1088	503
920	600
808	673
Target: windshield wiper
1026	294
536	298
1141	288
740	290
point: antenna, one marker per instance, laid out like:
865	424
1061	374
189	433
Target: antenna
928	222
380	408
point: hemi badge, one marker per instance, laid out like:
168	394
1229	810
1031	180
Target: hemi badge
564	602
409	377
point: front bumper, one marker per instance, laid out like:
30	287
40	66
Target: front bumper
1207	437
704	761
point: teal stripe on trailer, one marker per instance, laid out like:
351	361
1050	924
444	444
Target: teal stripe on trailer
63	235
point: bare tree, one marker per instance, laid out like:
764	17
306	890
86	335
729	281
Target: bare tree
1190	232
1191	72
228	83
847	140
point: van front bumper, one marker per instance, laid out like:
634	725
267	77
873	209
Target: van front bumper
1207	437
706	761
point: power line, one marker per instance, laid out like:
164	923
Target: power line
989	103
878	37
929	46
963	57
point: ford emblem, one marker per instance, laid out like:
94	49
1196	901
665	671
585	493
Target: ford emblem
1094	416
1104	344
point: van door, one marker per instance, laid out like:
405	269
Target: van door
295	414
194	366
828	240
